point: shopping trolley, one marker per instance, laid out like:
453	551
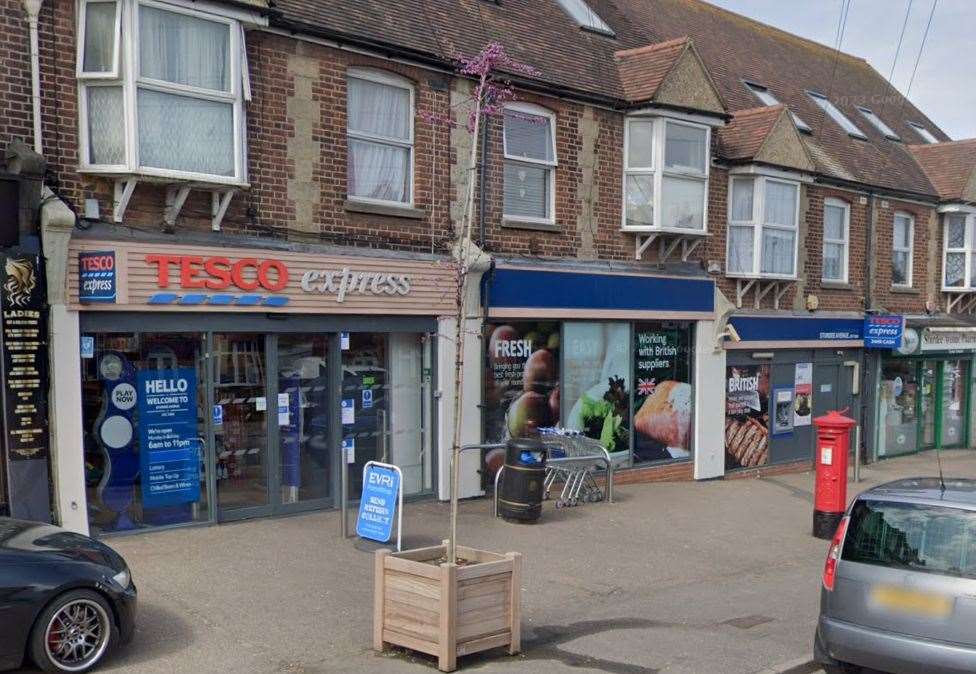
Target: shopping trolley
572	460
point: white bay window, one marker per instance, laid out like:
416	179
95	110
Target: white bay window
161	91
529	145
379	110
762	235
836	240
959	252
665	175
903	242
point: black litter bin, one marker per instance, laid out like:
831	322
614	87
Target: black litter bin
522	482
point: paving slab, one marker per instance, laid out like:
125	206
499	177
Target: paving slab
684	578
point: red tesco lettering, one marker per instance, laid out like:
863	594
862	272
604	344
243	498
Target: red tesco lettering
219	273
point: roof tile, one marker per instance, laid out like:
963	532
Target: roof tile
950	166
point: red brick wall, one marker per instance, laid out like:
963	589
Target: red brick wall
15	86
899	300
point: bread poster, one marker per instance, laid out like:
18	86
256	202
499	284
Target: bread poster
662	394
747	416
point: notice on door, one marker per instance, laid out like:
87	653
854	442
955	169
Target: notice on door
169	448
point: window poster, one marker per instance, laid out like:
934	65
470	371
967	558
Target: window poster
803	394
783	411
521	384
746	416
663	398
596	382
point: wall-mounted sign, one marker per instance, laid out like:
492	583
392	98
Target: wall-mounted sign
809	331
934	339
96	276
803	394
169	445
159	277
747	416
883	332
25	371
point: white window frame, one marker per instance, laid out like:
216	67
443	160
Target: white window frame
551	166
969	247
923	133
878	123
845	242
910	249
389	79
112	74
758	225
658	171
130	81
839	118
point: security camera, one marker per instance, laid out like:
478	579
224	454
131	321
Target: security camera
731	333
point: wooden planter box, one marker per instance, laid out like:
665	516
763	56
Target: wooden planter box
447	610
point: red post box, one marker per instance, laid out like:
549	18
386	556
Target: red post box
830	491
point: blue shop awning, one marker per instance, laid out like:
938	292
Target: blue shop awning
796	332
542	293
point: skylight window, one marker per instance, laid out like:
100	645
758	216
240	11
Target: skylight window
837	115
587	19
767	98
878	123
925	134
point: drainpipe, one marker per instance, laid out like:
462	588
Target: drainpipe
482	196
33	9
861	437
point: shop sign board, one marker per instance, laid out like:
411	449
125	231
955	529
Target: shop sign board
948	340
381	502
96	276
25	370
883	332
169	445
811	331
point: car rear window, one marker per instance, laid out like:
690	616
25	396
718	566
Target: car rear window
932	539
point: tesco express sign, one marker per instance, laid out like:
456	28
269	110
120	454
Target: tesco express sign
246	281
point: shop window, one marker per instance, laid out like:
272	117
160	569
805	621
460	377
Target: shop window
521	383
836	235
173	111
665	175
529	141
903	241
762	238
143	412
380	135
596	383
959	252
663	392
898	408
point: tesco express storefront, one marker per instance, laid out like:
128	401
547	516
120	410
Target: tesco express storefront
220	383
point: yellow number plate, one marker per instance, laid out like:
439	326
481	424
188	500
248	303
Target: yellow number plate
911	601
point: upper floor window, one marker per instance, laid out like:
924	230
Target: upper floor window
762	236
836	240
903	244
923	133
959	254
878	123
172	106
529	144
836	115
379	128
584	15
665	175
767	98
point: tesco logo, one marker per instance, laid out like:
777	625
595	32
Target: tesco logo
195	272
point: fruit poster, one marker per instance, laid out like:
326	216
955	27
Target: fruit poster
663	398
803	394
746	416
521	384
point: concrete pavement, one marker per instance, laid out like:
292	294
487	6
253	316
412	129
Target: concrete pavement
718	576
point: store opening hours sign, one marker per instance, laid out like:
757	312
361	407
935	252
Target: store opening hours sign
381	502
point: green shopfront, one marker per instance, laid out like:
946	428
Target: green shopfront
924	390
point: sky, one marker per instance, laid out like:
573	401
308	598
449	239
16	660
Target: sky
945	85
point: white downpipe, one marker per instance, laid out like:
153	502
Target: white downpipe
33	9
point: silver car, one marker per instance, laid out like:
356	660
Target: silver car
899	583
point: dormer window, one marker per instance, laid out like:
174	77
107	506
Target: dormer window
923	133
878	123
174	108
836	115
665	175
766	97
762	235
585	17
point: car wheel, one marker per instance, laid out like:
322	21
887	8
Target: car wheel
73	633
